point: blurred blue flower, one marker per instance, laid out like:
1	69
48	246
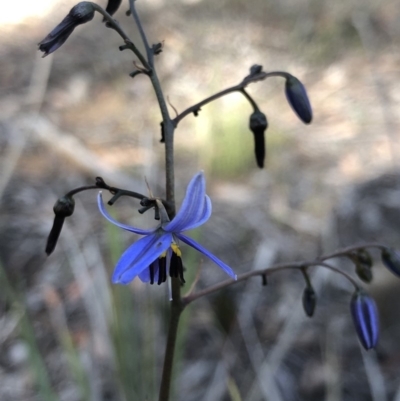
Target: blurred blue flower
365	318
158	252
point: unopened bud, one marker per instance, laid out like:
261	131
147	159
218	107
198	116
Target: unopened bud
309	301
365	319
112	6
364	273
64	207
258	124
391	259
363	261
297	97
255	69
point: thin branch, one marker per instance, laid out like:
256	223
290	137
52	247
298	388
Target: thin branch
113	24
149	50
336	270
250	99
285	266
195	108
237	88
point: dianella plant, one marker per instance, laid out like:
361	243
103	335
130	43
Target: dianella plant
157	258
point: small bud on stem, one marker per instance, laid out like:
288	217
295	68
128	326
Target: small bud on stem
258	124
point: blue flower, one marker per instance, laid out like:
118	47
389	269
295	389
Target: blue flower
365	318
158	252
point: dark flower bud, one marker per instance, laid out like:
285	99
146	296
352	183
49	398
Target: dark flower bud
296	95
64	207
364	273
309	301
112	6
363	261
391	259
81	13
258	124
365	318
255	69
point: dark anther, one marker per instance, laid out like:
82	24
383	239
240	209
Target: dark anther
264	279
176	267
162	270
151	271
173	272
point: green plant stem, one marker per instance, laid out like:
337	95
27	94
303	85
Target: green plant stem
175	314
176	302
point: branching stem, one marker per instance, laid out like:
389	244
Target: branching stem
176	302
285	266
237	88
149	51
113	24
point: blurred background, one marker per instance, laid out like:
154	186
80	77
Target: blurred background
66	334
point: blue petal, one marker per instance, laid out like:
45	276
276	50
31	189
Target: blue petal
124	226
193	206
139	256
207	209
204	251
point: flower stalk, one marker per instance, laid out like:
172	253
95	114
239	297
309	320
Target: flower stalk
157	254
